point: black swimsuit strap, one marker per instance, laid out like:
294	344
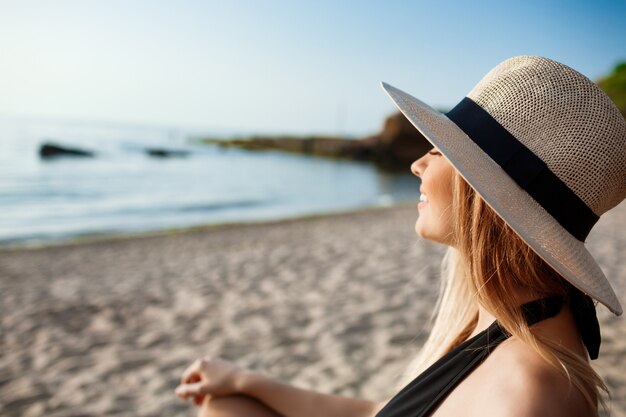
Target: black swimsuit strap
538	310
425	392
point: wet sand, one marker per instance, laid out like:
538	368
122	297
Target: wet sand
336	303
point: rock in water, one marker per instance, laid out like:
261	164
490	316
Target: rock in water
49	150
166	153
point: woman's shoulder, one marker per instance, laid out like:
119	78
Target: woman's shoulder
514	380
524	384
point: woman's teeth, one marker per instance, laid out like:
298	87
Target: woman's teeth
423	198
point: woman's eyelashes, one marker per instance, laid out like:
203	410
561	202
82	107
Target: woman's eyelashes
434	152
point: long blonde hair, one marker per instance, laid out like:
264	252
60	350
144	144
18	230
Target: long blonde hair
488	261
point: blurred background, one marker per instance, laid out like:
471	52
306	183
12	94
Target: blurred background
130	116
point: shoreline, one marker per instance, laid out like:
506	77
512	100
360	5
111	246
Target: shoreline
89	238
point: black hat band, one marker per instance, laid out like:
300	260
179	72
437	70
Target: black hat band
525	168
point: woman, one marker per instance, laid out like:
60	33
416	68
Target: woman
520	171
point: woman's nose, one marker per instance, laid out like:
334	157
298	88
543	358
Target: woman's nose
416	167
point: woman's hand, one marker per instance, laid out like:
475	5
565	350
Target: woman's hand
213	377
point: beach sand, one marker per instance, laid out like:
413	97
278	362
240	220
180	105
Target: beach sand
336	303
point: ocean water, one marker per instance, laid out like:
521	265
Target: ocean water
122	189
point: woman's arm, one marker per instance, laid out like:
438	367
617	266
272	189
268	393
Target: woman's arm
291	401
216	378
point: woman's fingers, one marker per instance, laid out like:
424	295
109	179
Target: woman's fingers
180	392
185	391
207	377
192	383
192	373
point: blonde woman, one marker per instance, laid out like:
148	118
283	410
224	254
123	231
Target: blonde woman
520	171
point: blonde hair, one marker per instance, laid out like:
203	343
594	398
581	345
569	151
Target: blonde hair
488	261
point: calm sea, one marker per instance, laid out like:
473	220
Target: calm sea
122	189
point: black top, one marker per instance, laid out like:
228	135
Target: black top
422	395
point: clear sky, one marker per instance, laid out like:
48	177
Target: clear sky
279	66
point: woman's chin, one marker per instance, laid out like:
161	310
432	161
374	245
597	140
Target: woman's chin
419	230
427	234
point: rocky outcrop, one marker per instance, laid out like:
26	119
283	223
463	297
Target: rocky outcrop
396	146
399	143
50	150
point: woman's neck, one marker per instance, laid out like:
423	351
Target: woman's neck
486	318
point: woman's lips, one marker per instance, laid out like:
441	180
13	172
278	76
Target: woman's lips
423	200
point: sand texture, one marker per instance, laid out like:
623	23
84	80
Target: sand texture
336	303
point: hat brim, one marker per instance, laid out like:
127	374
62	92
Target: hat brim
514	205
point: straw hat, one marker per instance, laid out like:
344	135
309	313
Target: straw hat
546	149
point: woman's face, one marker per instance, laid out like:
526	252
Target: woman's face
435	206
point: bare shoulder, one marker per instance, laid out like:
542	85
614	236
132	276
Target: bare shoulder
524	385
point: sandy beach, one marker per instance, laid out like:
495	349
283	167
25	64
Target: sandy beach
338	303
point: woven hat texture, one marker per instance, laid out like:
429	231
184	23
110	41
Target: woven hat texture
564	119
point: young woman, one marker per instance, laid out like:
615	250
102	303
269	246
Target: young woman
520	171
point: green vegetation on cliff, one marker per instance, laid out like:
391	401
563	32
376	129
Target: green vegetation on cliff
614	85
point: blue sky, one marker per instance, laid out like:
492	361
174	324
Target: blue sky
278	66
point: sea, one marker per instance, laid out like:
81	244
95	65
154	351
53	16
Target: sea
123	189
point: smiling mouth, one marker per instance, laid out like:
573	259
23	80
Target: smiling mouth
423	201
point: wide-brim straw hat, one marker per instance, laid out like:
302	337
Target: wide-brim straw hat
546	149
